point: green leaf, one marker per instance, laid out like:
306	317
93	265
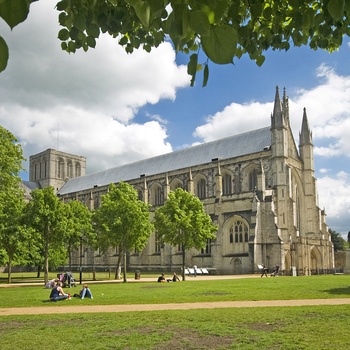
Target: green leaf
4	54
220	45
192	64
93	30
142	9
123	40
260	60
192	67
336	8
62	5
63	34
205	75
71	47
80	21
199	23
14	11
91	41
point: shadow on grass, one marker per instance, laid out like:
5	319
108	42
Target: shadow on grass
338	291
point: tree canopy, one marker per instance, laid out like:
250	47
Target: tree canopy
183	221
338	241
122	221
223	30
13	236
79	226
46	214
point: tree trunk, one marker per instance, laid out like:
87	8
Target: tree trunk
124	264
183	265
9	271
46	263
38	271
117	269
70	257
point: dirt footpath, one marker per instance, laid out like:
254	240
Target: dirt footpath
180	306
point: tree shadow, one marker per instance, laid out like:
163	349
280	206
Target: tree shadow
338	291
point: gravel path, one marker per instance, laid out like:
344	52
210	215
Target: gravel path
180	306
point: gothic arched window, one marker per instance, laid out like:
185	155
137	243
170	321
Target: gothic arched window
253	180
226	184
77	170
201	192
158	196
238	237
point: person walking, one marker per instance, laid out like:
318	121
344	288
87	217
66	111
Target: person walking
264	271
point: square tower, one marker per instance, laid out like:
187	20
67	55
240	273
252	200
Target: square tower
54	168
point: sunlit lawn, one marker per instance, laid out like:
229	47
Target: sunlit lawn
308	327
312	287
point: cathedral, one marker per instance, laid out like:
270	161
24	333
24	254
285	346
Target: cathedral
258	187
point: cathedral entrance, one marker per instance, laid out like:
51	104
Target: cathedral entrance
237	266
316	262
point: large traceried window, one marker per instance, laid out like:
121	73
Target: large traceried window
77	170
157	243
207	249
252	180
226	184
238	238
60	169
298	209
157	195
201	189
175	184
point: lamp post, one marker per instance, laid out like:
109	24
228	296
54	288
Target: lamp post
81	261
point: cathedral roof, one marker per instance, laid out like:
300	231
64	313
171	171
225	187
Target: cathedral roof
229	147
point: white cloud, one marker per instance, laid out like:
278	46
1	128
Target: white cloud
91	97
158	118
335	199
235	119
328	110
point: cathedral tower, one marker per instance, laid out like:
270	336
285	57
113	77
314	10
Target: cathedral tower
54	168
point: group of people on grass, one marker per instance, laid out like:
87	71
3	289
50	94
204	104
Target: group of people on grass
162	278
57	292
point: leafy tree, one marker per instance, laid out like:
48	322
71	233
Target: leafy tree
338	241
183	221
222	29
11	157
122	221
79	226
13	236
46	214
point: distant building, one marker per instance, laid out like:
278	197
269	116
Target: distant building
258	187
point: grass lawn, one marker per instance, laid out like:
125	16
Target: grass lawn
307	327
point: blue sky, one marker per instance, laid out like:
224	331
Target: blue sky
116	108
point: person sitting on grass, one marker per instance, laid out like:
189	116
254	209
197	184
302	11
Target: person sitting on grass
175	278
86	292
161	278
57	293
